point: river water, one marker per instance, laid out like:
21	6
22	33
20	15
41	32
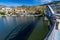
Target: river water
22	28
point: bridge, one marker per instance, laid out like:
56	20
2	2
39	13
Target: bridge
52	13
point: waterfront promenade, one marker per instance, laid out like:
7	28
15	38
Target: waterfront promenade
53	15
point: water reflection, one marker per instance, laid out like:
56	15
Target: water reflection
17	28
7	24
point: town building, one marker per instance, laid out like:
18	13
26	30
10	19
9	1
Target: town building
8	10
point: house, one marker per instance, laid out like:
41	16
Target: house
6	9
20	11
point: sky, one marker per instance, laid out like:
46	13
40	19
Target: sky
24	2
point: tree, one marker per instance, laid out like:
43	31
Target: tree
2	13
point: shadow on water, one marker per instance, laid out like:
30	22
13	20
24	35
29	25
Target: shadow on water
24	34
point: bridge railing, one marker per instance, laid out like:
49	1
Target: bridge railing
52	21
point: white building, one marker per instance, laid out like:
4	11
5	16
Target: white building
20	11
6	9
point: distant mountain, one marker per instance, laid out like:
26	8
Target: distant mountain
1	6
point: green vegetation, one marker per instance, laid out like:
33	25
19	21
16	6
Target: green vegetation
34	9
58	11
38	9
39	12
2	13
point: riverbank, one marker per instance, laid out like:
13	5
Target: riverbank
19	15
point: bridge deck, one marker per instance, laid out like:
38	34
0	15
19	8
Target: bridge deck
57	35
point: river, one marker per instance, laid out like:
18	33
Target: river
22	28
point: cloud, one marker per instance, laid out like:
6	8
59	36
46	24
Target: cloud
11	4
46	0
40	2
25	2
43	1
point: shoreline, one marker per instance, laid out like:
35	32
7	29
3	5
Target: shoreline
19	15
